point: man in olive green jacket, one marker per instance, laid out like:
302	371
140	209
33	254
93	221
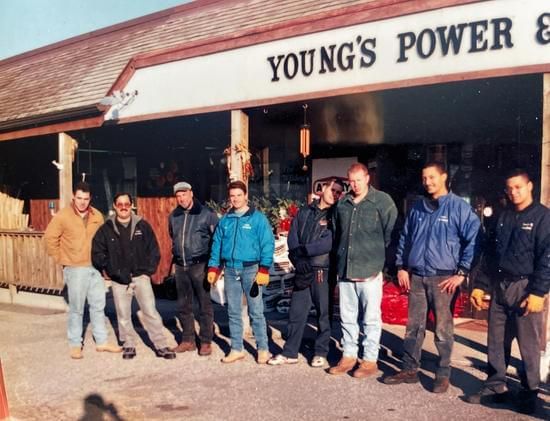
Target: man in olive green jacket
364	224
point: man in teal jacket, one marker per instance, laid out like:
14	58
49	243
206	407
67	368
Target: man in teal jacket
364	223
243	245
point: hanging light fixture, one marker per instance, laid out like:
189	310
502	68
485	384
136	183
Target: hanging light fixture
304	138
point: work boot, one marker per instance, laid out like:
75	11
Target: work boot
165	353
76	353
128	353
108	348
485	396
263	356
441	385
344	365
185	346
527	401
365	369
232	357
205	349
404	376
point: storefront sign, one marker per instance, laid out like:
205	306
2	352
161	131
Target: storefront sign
484	36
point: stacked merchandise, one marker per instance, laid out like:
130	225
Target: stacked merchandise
280	276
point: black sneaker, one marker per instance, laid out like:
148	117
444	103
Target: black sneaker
165	353
527	401
128	353
485	396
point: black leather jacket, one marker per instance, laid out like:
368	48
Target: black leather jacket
191	232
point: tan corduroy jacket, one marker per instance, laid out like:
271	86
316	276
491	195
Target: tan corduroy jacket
69	240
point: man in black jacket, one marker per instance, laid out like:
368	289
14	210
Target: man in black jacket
516	273
191	227
309	244
126	249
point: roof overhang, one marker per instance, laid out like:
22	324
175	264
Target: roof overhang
395	44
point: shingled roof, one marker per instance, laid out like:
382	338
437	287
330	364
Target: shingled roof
67	80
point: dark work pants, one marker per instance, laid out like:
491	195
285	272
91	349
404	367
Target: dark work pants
424	294
191	283
300	305
506	323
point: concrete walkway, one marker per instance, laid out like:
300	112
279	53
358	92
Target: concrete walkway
43	383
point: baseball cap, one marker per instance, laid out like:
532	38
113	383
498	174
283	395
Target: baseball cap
182	185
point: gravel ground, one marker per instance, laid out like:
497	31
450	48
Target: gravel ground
43	383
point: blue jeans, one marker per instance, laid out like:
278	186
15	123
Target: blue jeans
238	281
85	283
361	298
141	288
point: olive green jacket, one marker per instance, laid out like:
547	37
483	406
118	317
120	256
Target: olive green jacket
363	230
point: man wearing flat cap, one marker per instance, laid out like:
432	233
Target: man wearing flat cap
191	227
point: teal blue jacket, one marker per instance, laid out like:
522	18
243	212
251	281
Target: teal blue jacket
363	230
241	241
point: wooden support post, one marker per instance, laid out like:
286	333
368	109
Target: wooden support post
265	170
239	138
67	147
545	200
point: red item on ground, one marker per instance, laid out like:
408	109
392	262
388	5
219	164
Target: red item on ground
395	305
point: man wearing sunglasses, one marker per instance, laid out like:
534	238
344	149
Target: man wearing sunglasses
126	249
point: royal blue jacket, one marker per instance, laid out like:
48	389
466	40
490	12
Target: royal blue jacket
241	241
438	242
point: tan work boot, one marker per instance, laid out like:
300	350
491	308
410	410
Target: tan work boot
232	357
344	365
185	346
263	356
365	369
76	353
107	347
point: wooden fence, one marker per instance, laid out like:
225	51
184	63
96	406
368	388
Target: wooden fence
24	262
155	210
23	258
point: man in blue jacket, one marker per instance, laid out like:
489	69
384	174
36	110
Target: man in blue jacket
191	227
435	254
309	244
516	272
243	246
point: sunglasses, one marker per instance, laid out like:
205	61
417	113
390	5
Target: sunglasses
123	205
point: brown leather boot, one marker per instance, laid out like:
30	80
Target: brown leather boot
404	376
232	357
441	385
108	348
76	353
185	346
344	365
205	349
365	369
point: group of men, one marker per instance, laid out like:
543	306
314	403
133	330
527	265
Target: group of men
440	242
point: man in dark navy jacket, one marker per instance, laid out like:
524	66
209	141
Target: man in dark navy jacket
191	227
516	273
435	254
309	244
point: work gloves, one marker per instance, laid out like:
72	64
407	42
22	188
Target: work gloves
212	275
262	277
532	304
476	299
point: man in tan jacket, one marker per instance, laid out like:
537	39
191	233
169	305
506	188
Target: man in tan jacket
69	240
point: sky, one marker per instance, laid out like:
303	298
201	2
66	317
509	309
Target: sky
29	24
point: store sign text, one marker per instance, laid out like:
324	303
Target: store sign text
472	37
